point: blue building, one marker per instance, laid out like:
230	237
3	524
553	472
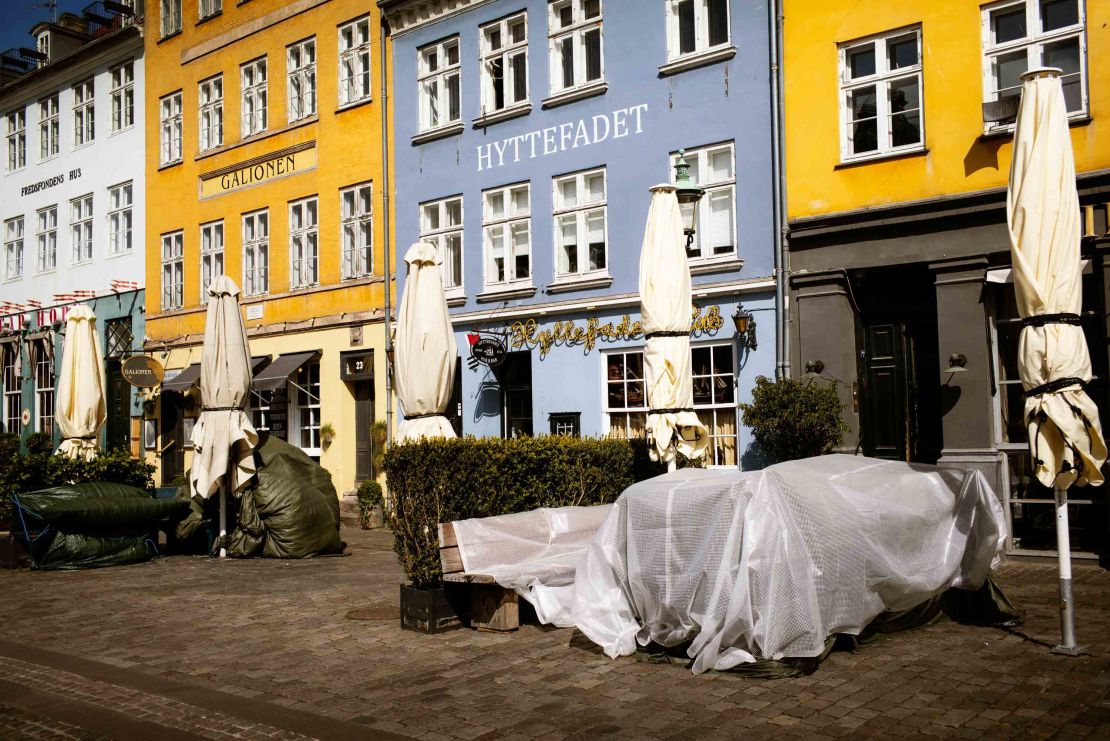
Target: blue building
527	136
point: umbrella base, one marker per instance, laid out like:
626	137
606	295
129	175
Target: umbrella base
1070	650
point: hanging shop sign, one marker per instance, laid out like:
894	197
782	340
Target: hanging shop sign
142	371
356	366
528	334
486	350
290	161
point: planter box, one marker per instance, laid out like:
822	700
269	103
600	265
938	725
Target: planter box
430	610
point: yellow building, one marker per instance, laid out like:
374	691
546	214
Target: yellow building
898	132
265	163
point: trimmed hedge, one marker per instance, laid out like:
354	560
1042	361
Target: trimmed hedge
434	481
794	419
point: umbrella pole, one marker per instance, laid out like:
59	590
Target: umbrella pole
223	520
1063	556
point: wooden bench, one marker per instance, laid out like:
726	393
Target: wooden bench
492	607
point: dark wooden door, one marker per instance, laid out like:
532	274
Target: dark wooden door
363	392
118	426
515	377
172	443
887	416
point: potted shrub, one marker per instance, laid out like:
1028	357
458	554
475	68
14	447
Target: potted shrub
370	505
327	434
794	419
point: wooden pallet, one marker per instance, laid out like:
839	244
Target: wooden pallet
492	607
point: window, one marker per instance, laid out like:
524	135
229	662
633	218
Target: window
13	387
170	107
120	337
357	214
123	96
306	399
1018	36
83	113
568	424
625	398
301	58
17	139
506	231
44	386
575	30
170	16
209	8
46	235
256	252
42	45
254	96
303	243
441	224
210	99
695	26
713	168
173	270
48	127
261	409
80	228
211	256
439	84
119	218
579	224
354	61
504	47
714	385
13	248
880	95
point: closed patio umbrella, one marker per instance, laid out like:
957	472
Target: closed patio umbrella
1065	437
426	349
223	438
80	408
672	424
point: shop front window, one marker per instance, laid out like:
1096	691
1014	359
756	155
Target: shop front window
625	397
44	388
306	395
714	384
13	387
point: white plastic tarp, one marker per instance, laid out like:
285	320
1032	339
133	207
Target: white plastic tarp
749	565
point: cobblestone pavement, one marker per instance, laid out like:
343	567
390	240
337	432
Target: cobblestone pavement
193	648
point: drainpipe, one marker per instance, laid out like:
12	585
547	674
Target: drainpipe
386	222
782	269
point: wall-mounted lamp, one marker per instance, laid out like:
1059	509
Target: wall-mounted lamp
815	367
744	323
957	363
390	356
689	195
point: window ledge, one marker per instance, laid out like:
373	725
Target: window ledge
209	17
227	147
505	294
698	59
575	94
718	266
168	165
440	132
355	104
579	284
882	157
1007	131
456	300
169	36
505	114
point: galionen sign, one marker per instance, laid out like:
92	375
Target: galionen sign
142	371
290	161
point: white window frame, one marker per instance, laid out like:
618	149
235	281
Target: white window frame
13	386
84	113
256	252
81	228
580	211
169	17
1033	43
211	255
45	382
210	112
701	30
14	248
169	108
120	201
17	139
42	46
504	55
46	239
208	8
304	242
504	224
253	76
713	408
882	81
356	225
48	127
354	62
698	159
433	84
123	96
575	33
435	230
173	270
300	61
306	398
626	411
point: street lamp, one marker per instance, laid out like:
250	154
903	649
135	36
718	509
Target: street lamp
744	323
689	195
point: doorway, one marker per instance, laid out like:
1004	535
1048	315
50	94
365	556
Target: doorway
515	378
363	392
117	429
172	450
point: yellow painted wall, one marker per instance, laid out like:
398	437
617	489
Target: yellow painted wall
957	158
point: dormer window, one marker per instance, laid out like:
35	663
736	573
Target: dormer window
42	45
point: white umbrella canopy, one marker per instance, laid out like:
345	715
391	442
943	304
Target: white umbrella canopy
672	424
1065	436
426	349
224	438
80	408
